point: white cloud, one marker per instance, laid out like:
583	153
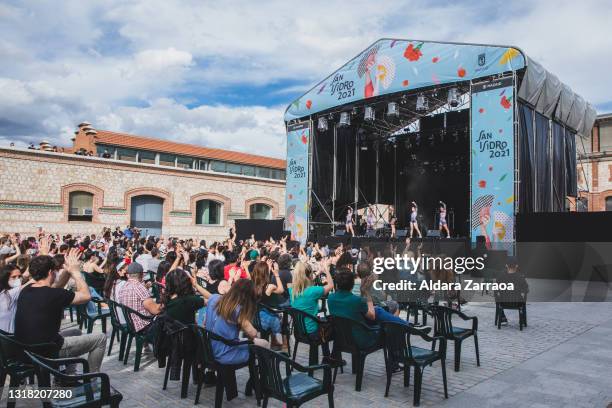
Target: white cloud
130	66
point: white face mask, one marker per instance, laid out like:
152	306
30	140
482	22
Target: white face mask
15	283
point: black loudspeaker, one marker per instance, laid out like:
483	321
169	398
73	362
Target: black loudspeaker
433	233
340	233
401	233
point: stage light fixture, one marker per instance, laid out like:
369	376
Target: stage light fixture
322	125
404	99
392	109
422	104
354	111
345	119
453	97
369	115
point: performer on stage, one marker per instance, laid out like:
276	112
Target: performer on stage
392	220
349	222
370	219
443	225
414	226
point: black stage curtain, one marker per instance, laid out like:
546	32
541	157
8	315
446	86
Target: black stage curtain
558	165
345	177
570	164
387	174
367	172
322	175
542	161
527	160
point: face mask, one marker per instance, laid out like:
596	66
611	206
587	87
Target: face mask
15	283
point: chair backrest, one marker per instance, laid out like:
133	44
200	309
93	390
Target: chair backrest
12	350
114	309
270	377
45	366
397	341
443	325
127	314
204	351
299	318
344	338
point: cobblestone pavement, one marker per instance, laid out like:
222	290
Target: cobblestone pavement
561	359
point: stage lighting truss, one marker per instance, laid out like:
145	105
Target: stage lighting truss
393	109
345	119
369	114
422	103
322	124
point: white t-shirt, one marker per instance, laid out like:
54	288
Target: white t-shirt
143	260
8	306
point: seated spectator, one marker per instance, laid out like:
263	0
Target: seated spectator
285	262
40	308
233	270
113	285
229	314
214	276
344	303
179	300
266	293
135	295
518	281
367	279
305	296
10	287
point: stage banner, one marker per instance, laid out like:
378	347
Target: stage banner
492	178
296	192
393	65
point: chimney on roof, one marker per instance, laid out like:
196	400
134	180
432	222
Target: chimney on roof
85	137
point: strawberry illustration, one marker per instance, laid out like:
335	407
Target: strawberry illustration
481	110
461	72
482	184
505	102
435	59
304	139
308	104
413	53
405	82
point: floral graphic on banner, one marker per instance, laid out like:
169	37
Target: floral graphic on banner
296	193
492	135
393	65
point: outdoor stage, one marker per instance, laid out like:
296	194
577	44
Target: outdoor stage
482	128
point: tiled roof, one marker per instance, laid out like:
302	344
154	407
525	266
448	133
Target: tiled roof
164	146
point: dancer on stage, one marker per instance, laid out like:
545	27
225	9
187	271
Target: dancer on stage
392	220
414	226
349	222
370	220
443	225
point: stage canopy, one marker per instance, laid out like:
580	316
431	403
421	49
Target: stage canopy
395	65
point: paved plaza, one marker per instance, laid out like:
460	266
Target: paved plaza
562	359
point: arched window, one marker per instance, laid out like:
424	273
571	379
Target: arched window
208	212
609	203
259	211
80	206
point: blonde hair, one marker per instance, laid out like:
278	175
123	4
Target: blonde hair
300	279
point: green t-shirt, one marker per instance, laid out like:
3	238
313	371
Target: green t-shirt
308	302
184	308
345	304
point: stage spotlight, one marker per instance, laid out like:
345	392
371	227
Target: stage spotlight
322	124
422	104
345	119
453	97
392	109
354	111
404	99
369	115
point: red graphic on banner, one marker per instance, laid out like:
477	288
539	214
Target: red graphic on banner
413	53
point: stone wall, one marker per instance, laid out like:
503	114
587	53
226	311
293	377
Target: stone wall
36	185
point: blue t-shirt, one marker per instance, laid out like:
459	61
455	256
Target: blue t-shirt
308	302
223	353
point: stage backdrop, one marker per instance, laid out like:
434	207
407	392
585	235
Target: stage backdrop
492	140
296	195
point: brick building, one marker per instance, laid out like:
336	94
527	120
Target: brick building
595	167
161	187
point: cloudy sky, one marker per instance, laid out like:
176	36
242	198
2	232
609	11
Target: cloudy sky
221	73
